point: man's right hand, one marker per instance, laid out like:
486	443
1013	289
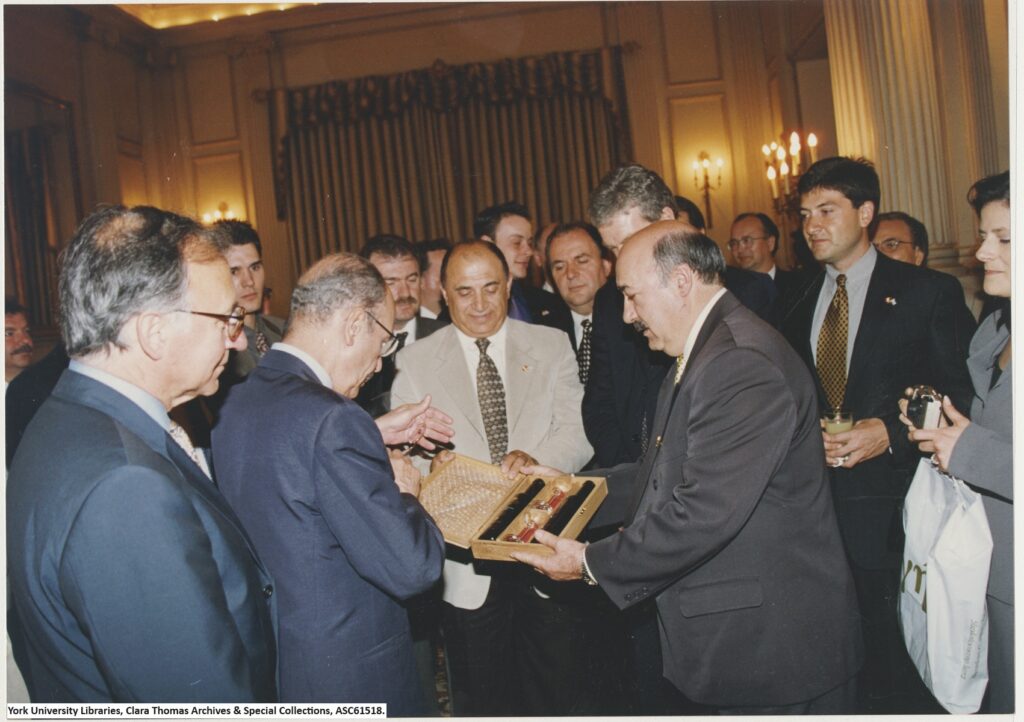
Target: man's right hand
441	457
407	476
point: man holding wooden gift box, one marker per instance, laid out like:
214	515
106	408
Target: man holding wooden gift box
514	394
728	519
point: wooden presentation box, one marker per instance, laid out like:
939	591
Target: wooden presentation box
477	507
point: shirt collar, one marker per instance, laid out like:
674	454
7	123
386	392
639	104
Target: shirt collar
314	365
497	339
691	340
146	401
860	271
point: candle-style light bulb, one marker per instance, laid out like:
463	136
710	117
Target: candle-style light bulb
780	153
705	163
794	139
696	165
774	146
766	150
719	163
812	143
784	168
773	182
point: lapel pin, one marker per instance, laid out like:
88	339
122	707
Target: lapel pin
525	368
890	300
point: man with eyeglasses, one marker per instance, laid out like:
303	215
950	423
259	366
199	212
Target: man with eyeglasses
514	392
753	243
901	237
332	511
133	579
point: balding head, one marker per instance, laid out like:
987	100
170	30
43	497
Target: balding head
668	272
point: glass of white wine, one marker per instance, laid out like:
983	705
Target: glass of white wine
836	421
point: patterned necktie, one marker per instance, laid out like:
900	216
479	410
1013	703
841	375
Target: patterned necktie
262	343
181	437
583	352
832	346
679	370
491	395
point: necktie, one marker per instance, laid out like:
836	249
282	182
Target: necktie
401	336
261	343
491	395
679	369
583	352
832	346
181	437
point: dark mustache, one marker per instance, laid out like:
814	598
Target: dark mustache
24	348
639	326
407	299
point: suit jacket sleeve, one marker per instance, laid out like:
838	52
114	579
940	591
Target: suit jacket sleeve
565	445
951	327
984	458
387	536
741	418
166	589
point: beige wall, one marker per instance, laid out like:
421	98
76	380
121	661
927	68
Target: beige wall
176	118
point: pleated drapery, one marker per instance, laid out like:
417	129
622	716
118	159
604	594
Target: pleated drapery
418	153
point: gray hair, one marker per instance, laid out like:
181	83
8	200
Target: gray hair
122	262
693	249
333	283
630	186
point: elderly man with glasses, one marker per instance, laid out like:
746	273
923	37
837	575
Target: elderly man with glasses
331	510
133	579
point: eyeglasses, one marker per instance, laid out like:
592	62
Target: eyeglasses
745	242
389	344
233	322
891	244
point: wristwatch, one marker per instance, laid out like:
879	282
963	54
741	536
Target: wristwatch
585	574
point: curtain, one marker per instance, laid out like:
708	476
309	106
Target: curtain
419	153
31	230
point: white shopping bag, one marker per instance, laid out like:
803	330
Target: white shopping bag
942	596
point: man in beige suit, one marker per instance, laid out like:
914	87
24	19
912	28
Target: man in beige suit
514	393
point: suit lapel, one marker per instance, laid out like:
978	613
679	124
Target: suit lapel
881	286
670	391
454	372
86	391
521	372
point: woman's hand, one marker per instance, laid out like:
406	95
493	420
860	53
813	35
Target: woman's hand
940	441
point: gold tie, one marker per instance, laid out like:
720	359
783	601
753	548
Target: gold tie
679	369
832	346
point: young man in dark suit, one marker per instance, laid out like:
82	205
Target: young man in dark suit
727	520
133	579
868	327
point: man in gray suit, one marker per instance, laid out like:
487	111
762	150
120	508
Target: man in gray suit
481	355
728	520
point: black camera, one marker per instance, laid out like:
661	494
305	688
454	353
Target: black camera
924	407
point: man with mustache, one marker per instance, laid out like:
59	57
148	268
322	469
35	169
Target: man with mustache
398	263
18	347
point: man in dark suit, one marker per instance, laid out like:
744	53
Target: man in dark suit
753	243
334	515
133	579
509	227
868	327
398	263
728	520
576	264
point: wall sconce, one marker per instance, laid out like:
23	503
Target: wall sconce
780	164
223	213
702	181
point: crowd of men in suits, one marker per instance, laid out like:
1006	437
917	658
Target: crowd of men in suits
744	562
